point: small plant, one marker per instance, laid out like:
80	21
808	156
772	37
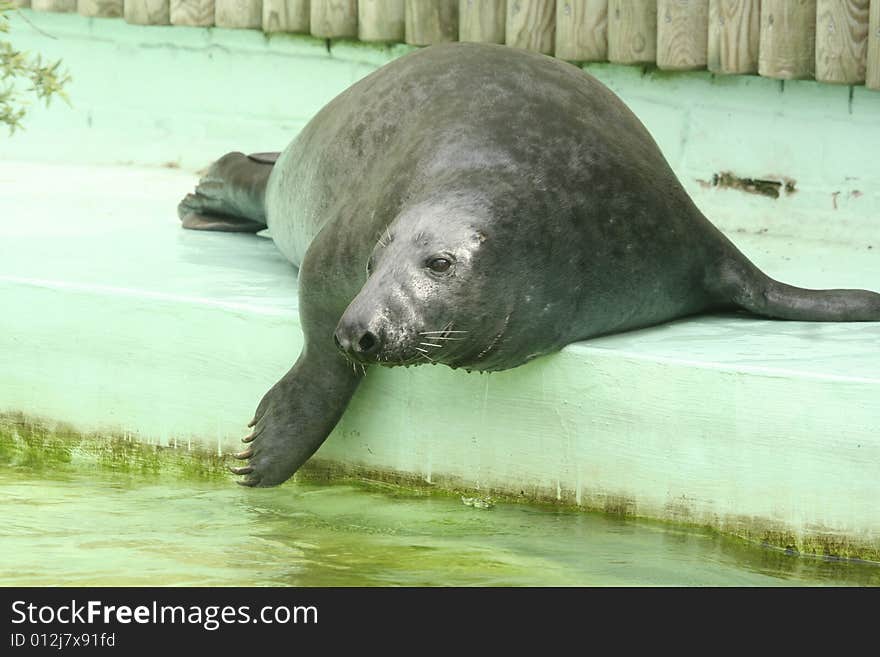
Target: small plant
47	80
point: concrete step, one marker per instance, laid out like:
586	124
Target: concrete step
113	319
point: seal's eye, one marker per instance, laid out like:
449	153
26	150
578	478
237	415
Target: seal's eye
439	265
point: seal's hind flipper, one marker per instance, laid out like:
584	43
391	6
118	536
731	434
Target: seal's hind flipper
231	195
225	223
264	158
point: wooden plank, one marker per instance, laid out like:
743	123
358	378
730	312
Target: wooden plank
330	19
841	41
381	20
632	31
431	21
788	39
582	30
101	8
872	78
199	13
682	34
147	12
482	20
238	13
734	33
286	16
531	24
53	5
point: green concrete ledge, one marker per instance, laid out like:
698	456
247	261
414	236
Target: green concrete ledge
115	322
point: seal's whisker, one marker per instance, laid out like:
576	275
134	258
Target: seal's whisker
428	344
440	337
424	354
443	331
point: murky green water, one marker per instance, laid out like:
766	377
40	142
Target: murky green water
107	529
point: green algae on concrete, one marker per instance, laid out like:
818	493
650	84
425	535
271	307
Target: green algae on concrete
813	543
35	445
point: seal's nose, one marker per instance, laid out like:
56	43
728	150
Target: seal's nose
357	341
367	344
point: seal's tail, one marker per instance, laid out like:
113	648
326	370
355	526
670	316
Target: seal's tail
743	284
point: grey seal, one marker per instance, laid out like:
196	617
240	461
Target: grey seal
475	206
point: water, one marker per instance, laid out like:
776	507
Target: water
102	528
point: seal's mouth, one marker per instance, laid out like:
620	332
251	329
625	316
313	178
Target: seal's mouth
427	347
405	348
493	344
456	348
440	345
392	344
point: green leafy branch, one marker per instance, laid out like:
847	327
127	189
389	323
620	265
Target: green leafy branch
47	79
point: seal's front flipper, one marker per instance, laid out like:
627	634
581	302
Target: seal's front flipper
299	412
231	195
296	416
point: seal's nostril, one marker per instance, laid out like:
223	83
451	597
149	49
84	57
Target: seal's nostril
367	343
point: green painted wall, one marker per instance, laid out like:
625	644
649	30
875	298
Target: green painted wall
174	95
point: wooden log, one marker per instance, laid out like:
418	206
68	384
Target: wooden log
198	13
841	41
53	5
734	32
632	31
286	16
531	24
238	13
582	30
381	20
482	20
788	39
147	12
682	34
100	8
329	19
431	21
872	77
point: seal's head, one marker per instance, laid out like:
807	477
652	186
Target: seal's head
433	294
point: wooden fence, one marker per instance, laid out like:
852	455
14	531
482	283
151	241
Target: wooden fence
834	41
